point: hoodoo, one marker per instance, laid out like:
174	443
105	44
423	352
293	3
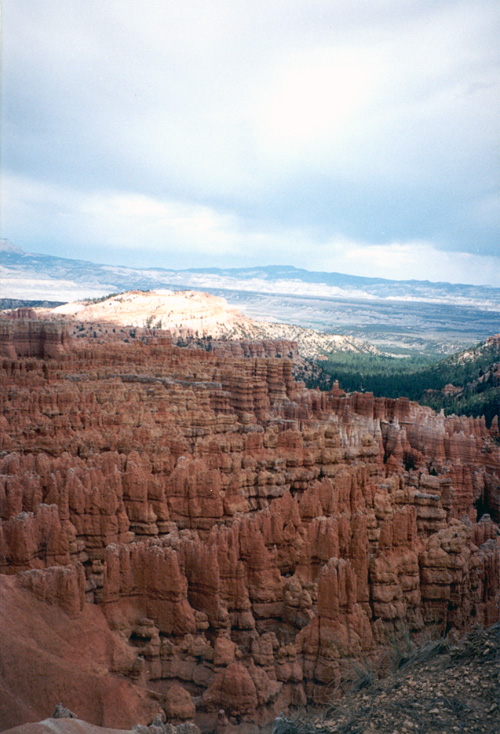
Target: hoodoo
184	531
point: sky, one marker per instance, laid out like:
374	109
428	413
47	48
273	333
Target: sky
357	137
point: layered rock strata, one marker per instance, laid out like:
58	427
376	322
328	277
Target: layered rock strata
239	540
24	336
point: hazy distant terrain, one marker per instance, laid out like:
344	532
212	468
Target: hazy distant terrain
390	325
394	315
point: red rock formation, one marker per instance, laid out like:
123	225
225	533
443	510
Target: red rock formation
49	656
22	313
24	337
243	540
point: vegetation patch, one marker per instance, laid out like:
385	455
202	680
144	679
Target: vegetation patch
467	383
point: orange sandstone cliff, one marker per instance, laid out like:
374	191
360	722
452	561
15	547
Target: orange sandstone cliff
184	531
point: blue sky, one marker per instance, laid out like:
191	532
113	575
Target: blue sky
360	137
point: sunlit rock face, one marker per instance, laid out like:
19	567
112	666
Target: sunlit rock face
187	312
185	531
196	315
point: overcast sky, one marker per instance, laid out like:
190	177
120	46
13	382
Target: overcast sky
359	137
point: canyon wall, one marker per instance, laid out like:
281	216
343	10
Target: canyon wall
210	535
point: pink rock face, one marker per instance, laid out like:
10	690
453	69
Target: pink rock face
242	540
49	655
26	337
60	585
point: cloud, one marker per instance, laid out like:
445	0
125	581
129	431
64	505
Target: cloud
130	228
419	261
252	124
312	99
131	221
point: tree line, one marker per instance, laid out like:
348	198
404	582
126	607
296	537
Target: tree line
476	379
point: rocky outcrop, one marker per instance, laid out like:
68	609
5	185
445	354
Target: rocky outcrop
243	540
27	337
195	317
182	313
50	656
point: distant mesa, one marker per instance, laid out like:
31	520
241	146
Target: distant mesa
193	313
7	246
186	312
270	279
395	316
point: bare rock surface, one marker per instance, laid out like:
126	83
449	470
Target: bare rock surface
25	336
443	686
193	313
185	531
48	657
64	726
172	310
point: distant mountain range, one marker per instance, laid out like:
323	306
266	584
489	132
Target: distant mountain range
17	265
399	315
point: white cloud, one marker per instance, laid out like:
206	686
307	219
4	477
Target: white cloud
180	234
487	211
313	96
138	221
415	261
288	132
217	96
